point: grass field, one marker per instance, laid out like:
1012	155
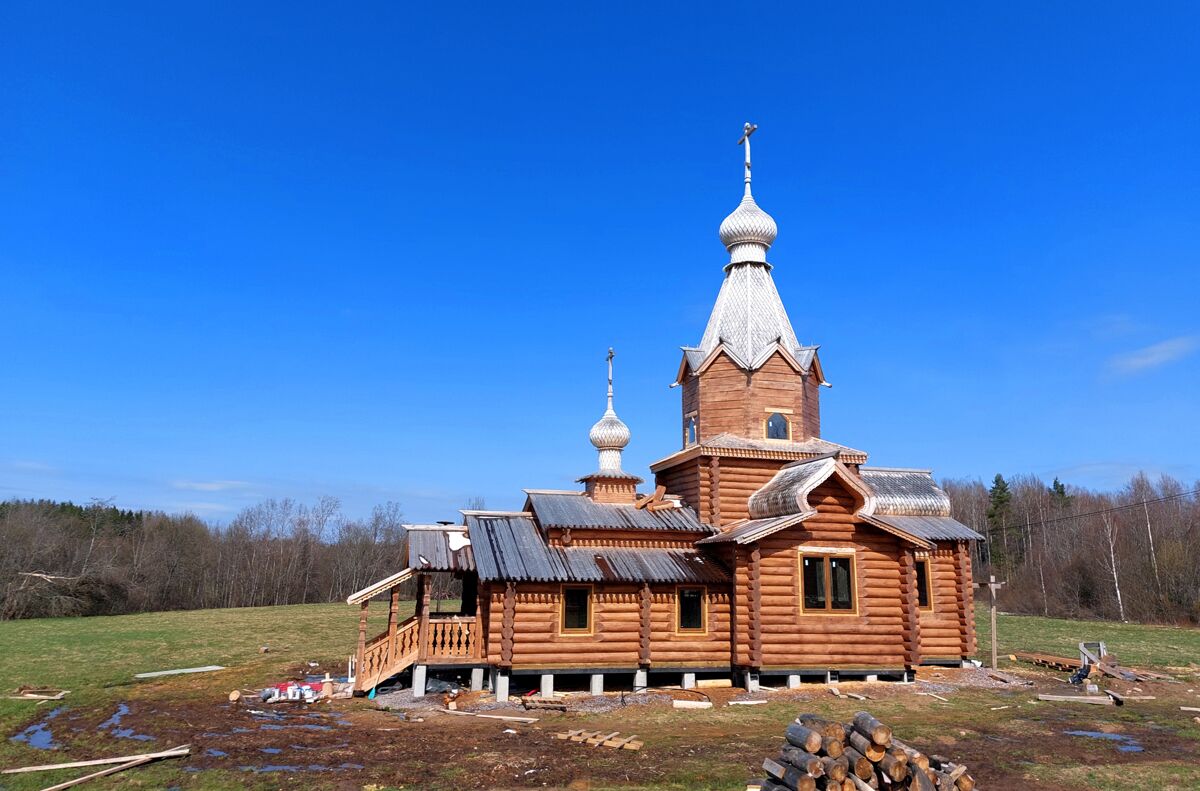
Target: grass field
97	657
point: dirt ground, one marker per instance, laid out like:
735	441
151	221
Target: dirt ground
999	730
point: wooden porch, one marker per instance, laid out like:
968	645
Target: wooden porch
425	638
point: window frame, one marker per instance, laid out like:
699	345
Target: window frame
926	561
787	422
825	557
703	629
691	430
563	631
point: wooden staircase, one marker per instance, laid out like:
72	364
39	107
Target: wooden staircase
436	641
388	654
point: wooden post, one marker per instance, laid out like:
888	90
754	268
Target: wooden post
714	475
644	631
423	636
362	637
755	606
911	608
393	614
992	587
506	626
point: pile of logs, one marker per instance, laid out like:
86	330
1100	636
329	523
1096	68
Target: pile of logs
822	755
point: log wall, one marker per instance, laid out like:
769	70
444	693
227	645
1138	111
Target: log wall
731	399
941	627
617	629
873	637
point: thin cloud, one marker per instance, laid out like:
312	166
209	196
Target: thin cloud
201	509
31	466
210	486
1154	356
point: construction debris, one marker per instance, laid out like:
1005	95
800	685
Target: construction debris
1105	664
38	693
174	752
544	703
1099	700
692	704
832	756
522	720
599	739
157	673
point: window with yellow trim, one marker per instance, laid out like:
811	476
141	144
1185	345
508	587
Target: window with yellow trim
690	609
576	609
827	583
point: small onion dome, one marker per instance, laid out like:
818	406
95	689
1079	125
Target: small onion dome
748	232
610	432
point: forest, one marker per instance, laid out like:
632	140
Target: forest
1062	550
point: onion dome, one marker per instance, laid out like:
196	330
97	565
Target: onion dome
610	435
748	231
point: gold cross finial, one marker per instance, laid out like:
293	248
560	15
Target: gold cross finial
747	130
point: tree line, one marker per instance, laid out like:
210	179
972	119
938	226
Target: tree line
65	559
1131	554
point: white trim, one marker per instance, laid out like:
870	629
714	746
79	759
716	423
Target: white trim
807	550
358	597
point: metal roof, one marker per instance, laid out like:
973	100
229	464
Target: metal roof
755	529
509	546
577	510
905	492
439	548
931	528
726	444
787	492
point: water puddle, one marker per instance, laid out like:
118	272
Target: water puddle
112	723
215	753
270	750
38	735
1125	744
299	768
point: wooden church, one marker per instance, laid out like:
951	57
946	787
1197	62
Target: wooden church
762	550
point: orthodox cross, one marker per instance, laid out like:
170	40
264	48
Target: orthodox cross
747	130
611	354
992	587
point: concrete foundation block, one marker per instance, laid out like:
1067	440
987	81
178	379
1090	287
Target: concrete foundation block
476	679
751	681
872	677
640	679
500	686
547	685
688	681
418	688
793	682
597	684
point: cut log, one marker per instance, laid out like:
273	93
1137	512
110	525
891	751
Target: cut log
872	728
832	747
783	773
914	756
805	738
864	745
860	765
921	782
804	761
893	767
836	769
827	728
965	783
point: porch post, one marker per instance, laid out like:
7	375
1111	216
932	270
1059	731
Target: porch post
361	653
393	612
423	614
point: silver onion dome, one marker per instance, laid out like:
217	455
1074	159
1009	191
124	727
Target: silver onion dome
748	231
610	435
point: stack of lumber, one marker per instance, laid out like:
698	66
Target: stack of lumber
1106	665
822	755
600	739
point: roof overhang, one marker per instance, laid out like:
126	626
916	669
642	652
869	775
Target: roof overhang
374	589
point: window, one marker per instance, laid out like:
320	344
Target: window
690	609
777	426
827	583
689	432
924	600
577	609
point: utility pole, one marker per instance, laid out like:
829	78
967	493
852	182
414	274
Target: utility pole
992	587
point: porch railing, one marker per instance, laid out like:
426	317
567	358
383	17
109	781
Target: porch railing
452	640
386	655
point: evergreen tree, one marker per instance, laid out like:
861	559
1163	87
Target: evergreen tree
999	506
1058	494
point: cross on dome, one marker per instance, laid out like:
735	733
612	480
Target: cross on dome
749	231
610	435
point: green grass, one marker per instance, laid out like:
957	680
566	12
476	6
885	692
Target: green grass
1168	647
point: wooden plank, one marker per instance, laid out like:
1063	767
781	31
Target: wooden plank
522	720
600	738
582	735
102	773
568	734
174	752
180	671
1189	708
1099	700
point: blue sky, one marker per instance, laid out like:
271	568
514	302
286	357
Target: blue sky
379	251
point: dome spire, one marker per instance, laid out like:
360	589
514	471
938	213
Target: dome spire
610	435
749	231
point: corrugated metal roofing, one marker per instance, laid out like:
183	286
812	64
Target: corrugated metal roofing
429	549
578	510
906	492
756	529
511	547
931	528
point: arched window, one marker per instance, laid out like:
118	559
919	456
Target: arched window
777	427
689	431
